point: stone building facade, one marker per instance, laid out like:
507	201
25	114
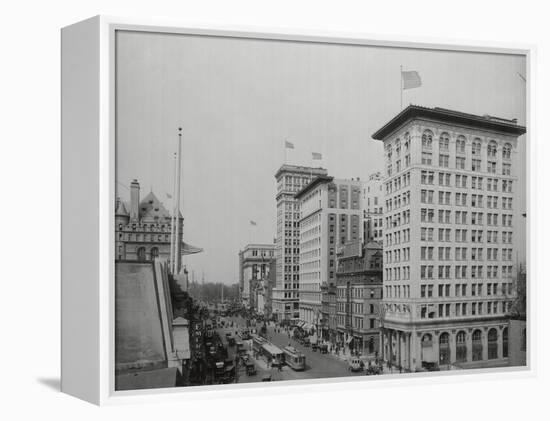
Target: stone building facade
290	180
450	216
330	216
254	265
358	297
373	199
143	228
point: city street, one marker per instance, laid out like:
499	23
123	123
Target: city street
317	365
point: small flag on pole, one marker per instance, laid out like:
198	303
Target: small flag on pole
316	155
253	223
289	145
168	195
411	79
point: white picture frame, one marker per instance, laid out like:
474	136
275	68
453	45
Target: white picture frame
88	162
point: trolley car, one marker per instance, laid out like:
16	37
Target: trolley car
273	354
294	358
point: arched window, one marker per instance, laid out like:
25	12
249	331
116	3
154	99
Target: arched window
141	254
460	145
492	345
154	253
427	349
444	350
461	347
427	139
444	142
476	147
505	343
492	150
407	138
507	151
477	346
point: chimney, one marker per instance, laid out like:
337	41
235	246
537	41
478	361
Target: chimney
134	200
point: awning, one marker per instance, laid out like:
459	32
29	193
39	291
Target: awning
350	338
189	249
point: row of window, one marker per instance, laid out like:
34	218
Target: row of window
429	311
461	253
461	235
461	290
444	217
460	164
460	271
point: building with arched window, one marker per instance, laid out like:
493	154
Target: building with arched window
143	228
449	224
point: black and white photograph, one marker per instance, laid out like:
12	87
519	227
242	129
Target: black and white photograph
292	210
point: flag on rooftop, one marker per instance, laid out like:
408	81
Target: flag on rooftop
253	223
316	155
168	195
289	145
411	79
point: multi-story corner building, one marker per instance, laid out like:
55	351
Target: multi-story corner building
358	296
254	265
143	228
450	214
290	180
373	199
330	216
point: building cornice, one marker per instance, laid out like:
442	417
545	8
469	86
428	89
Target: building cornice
412	112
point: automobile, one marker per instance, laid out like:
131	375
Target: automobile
266	378
373	370
430	366
355	364
323	348
250	369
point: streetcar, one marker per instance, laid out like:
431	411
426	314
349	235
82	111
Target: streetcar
257	343
294	358
273	354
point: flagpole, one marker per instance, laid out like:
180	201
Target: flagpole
401	85
173	221
177	256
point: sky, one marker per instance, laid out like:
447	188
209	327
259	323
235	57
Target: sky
237	101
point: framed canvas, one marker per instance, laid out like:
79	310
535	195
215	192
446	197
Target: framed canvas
249	210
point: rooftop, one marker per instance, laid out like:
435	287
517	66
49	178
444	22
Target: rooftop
485	122
311	185
299	169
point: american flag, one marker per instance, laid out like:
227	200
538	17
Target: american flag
253	223
411	79
316	155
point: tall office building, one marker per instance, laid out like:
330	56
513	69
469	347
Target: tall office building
290	180
330	216
450	216
373	197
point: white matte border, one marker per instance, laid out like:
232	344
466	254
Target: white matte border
108	26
